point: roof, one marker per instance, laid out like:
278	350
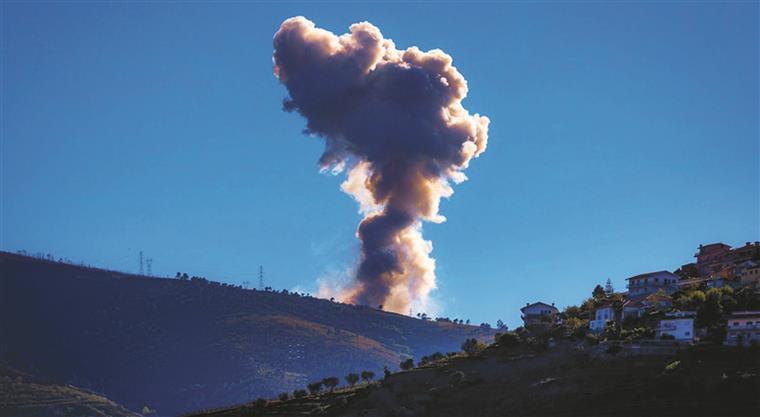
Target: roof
634	302
649	274
637	302
681	314
716	244
657	297
744	314
538	303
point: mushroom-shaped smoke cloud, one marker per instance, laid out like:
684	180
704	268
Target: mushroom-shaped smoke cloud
394	120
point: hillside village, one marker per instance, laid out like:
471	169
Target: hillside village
716	299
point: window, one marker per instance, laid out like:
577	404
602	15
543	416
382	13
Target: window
687	333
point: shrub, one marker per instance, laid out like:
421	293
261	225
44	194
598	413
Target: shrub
666	336
314	387
472	347
283	396
299	393
508	340
260	403
367	376
672	366
352	379
407	364
331	382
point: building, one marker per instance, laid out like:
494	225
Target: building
743	328
678	324
539	312
633	308
636	306
603	315
719	259
709	255
651	282
749	276
750	250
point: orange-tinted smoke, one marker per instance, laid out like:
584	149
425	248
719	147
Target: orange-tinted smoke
395	120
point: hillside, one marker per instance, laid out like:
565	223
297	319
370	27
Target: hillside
572	379
181	345
25	396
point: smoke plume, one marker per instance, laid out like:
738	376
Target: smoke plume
393	119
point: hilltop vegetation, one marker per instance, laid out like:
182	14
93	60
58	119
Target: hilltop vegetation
176	345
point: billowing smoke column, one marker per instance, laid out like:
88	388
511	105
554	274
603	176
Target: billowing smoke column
394	119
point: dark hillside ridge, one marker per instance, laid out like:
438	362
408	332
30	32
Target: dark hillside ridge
177	345
25	396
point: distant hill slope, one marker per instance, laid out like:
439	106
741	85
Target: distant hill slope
23	396
179	345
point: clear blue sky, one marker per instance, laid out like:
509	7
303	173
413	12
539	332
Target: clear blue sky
621	137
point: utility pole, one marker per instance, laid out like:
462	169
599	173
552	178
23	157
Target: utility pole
261	278
149	266
142	271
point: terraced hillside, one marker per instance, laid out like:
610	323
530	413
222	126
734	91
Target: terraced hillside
177	345
22	396
564	381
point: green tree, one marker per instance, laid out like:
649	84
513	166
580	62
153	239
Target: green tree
299	393
407	364
331	382
608	288
314	387
367	376
598	292
509	340
352	379
711	311
283	396
472	347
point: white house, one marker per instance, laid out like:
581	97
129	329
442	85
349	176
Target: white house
743	328
651	282
539	312
602	316
679	324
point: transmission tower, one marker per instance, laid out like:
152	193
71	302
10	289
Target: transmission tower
142	271
261	277
149	266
